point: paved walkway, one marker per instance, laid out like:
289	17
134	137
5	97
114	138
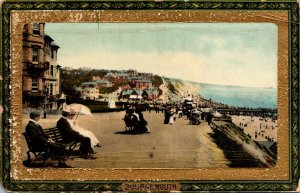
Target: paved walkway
167	146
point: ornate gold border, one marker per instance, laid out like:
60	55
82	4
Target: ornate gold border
279	172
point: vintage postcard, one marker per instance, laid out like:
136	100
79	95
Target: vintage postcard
146	96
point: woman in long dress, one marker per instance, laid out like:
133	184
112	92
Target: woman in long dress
172	113
142	124
167	116
86	133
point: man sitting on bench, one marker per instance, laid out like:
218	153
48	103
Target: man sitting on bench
43	142
70	135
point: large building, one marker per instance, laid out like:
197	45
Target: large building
90	93
41	73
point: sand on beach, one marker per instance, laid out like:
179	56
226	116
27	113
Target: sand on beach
257	127
180	145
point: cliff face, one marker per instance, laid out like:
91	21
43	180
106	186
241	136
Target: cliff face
175	90
239	148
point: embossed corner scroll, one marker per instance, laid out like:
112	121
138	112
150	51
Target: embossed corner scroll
282	177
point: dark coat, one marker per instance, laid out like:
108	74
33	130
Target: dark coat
142	120
167	117
69	135
66	131
142	124
38	138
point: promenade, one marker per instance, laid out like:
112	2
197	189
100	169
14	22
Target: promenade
180	145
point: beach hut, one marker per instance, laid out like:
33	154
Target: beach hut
217	114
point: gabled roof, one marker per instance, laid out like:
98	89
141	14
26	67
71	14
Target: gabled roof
139	92
148	92
93	83
127	92
122	74
102	81
151	90
132	92
137	78
46	36
53	44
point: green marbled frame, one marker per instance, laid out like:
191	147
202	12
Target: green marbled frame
290	6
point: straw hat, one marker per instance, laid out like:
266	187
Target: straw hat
69	111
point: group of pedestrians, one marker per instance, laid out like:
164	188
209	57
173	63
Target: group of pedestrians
194	114
169	115
134	119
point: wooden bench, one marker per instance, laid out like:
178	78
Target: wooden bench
55	135
42	154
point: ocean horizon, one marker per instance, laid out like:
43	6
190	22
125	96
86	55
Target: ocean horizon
249	97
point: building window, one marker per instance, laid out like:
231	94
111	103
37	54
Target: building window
36	29
47	49
35	84
35	54
51	70
53	54
51	90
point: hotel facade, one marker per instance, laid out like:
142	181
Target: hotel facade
41	73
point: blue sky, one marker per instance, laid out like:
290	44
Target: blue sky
217	53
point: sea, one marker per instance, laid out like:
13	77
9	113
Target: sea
239	96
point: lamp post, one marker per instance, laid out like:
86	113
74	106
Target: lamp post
45	92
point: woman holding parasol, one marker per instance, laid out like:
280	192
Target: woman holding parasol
81	109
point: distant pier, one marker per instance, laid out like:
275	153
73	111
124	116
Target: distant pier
248	112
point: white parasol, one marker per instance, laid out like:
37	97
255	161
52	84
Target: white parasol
79	109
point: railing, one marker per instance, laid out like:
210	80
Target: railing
242	111
42	66
34	94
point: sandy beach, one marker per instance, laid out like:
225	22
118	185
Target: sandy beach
257	127
167	146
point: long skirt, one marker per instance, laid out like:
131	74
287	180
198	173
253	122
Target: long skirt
171	120
89	134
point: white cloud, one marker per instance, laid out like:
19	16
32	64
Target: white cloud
244	67
223	53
